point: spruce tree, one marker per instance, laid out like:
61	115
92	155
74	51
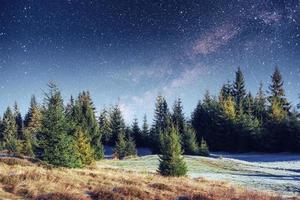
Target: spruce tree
226	91
161	119
19	122
145	132
178	118
136	133
58	148
10	133
260	104
117	124
189	141
249	104
120	147
83	148
130	149
239	91
203	149
105	126
171	162
277	93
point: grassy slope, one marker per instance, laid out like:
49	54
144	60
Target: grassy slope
254	175
20	179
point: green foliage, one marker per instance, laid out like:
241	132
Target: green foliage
117	124
137	133
145	132
239	91
58	147
83	147
105	126
124	147
203	149
171	161
189	141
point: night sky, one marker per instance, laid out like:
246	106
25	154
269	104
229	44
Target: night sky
129	51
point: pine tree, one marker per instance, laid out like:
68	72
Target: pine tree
203	149
239	91
226	91
260	104
145	132
120	148
229	108
178	117
33	123
10	132
83	147
130	149
249	104
277	93
171	162
136	133
105	126
58	148
189	141
161	120
117	124
19	122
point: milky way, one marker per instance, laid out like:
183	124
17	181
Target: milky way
134	50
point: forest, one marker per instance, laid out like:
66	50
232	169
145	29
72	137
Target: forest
71	134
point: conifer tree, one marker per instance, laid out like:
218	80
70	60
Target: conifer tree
120	147
249	104
83	147
203	149
58	148
189	141
277	93
130	149
226	91
117	124
19	122
178	117
239	91
229	108
10	132
105	126
171	162
161	119
136	133
260	104
145	132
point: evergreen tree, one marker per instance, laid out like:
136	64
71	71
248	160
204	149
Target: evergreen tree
277	93
19	122
105	126
136	133
130	149
171	162
189	141
178	116
203	149
239	91
32	127
83	147
229	108
226	91
10	132
161	120
117	124
145	132
86	119
120	148
249	104
58	148
260	104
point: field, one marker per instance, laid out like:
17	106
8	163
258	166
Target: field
272	172
135	178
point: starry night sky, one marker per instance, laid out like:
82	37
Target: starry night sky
133	50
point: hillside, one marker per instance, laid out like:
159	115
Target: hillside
22	179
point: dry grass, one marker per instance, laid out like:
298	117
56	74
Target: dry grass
21	179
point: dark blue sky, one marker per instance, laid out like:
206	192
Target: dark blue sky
133	50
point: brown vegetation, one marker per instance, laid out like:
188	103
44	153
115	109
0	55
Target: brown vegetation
21	179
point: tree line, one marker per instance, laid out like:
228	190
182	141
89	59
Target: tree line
71	135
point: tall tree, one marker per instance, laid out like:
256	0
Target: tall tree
58	148
239	91
145	132
105	126
277	93
19	121
117	124
171	162
226	91
136	132
10	132
160	123
249	104
85	118
178	116
189	141
260	104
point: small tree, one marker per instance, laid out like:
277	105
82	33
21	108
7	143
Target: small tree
189	141
82	145
130	147
171	162
203	149
120	148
